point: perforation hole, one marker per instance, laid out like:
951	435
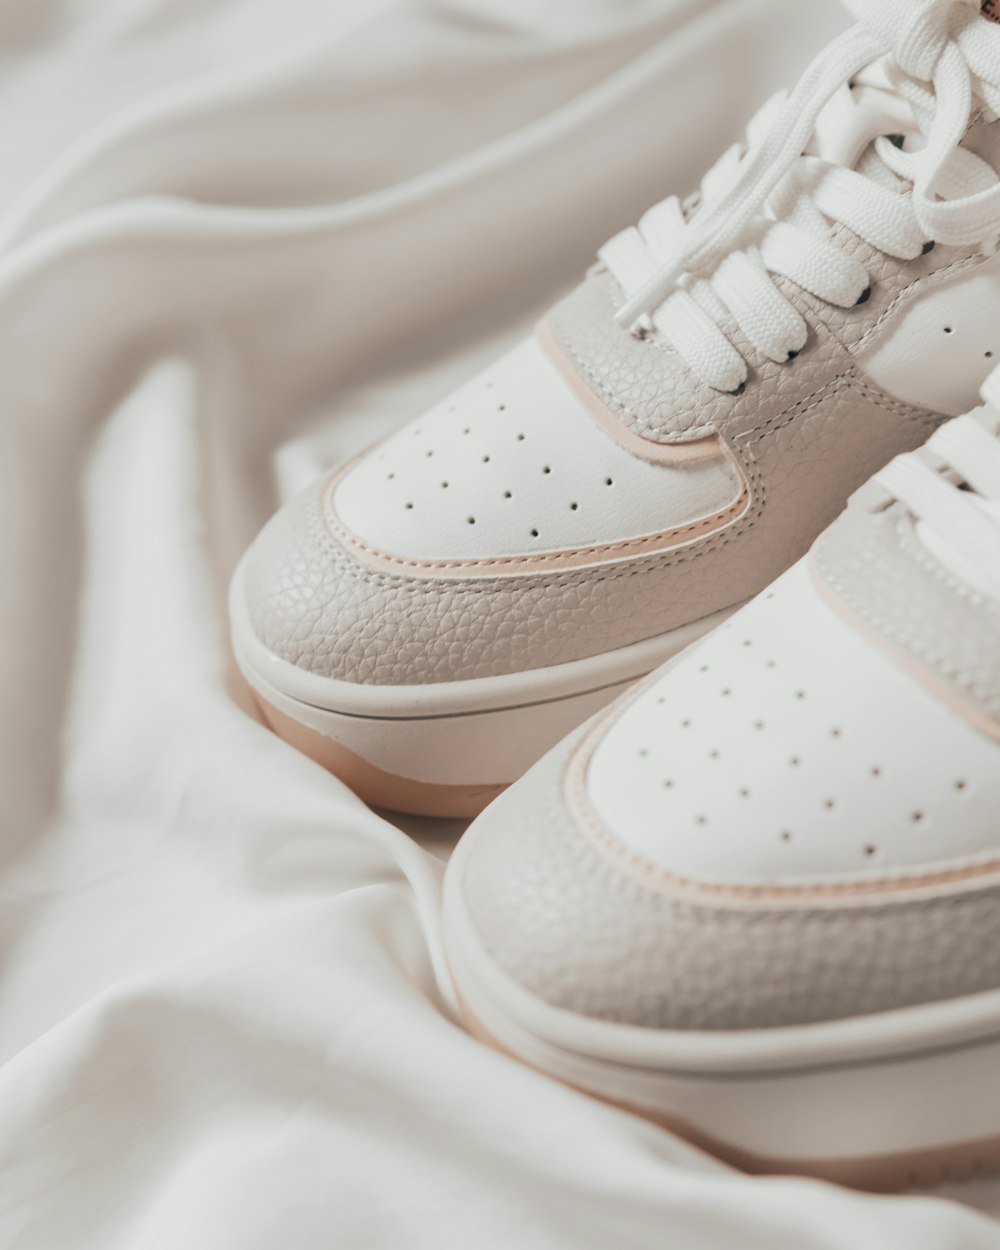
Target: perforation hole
444	485
408	507
609	481
546	468
961	784
507	495
870	850
829	804
471	520
534	533
917	817
785	835
573	507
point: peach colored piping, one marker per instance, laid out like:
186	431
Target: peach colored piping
659	879
648	544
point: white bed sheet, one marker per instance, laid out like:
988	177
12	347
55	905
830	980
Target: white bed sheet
241	238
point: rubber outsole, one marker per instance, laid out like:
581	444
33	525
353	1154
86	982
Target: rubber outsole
898	1100
441	749
374	785
886	1173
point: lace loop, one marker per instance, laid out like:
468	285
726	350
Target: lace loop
771	196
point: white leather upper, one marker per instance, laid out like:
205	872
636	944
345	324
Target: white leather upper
512	464
788	746
937	351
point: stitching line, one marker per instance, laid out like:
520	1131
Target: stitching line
625	545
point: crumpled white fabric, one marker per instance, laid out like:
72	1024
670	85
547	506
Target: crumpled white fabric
239	239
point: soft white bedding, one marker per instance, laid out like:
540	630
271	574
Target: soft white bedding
239	239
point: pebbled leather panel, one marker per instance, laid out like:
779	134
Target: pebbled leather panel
316	605
648	386
571	927
938	350
876	571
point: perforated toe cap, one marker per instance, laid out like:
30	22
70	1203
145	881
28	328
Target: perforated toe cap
513	465
575	926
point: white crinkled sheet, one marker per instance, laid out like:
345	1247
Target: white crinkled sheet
241	238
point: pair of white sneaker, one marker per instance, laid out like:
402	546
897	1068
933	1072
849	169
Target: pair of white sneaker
758	896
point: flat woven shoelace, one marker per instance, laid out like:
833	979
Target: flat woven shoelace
955	493
682	277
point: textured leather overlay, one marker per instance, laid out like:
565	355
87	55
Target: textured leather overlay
804	435
315	603
876	570
569	925
648	387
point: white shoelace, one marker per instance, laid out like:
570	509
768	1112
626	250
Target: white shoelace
766	208
957	503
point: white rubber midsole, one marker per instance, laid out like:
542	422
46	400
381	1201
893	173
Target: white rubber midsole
919	1078
485	730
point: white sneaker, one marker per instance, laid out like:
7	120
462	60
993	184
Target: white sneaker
758	900
433	616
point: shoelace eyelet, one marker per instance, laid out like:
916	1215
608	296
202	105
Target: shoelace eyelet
927	247
864	297
740	389
790	357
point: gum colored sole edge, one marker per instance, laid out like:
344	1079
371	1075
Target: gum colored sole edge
372	784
